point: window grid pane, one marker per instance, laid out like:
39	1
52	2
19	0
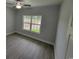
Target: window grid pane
35	28
27	26
27	19
36	19
26	22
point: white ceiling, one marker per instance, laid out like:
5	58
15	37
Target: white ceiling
39	2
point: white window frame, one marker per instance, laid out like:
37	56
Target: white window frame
32	23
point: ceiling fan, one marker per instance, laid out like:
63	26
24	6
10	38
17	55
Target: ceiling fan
18	4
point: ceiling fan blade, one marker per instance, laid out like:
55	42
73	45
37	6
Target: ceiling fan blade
10	4
19	0
27	5
11	1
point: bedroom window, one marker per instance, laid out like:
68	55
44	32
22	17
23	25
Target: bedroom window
32	23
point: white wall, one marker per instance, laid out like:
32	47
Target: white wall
61	39
70	49
49	22
10	18
69	53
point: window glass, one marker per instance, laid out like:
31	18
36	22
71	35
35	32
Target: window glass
27	26
35	28
27	19
36	19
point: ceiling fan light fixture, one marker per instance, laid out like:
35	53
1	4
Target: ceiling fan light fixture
18	5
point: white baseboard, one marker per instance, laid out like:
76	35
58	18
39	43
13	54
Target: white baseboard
51	43
10	33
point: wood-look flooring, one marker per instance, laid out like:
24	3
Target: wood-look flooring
21	47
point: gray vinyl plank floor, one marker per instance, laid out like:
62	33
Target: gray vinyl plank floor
21	47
